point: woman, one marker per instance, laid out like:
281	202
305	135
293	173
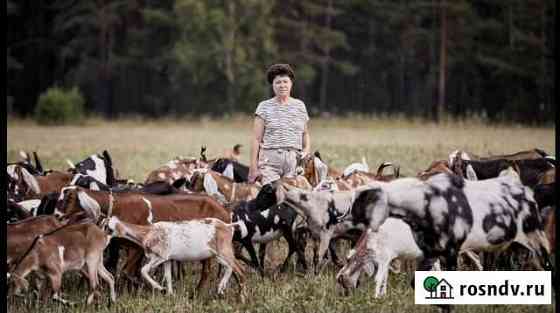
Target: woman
280	130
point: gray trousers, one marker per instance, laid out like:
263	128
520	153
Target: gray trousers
277	163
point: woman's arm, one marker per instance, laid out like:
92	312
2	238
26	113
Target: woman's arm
258	132
306	141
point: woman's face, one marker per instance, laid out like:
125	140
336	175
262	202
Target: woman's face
282	86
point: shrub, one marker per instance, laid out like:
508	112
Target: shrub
59	106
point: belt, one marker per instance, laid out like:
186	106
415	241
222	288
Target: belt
283	149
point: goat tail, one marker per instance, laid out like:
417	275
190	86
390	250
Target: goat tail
234	224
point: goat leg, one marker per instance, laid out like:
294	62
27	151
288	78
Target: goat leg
153	262
323	246
332	250
168	276
251	249
108	278
292	247
203	275
262	254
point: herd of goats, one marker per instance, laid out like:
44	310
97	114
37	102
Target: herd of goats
493	212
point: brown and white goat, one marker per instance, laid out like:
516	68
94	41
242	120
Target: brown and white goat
26	186
174	170
193	240
221	187
315	170
141	208
73	247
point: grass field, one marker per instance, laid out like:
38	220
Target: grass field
137	147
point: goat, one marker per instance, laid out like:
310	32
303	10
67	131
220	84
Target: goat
438	166
20	235
441	214
262	221
15	211
221	187
238	172
22	185
140	208
376	250
70	247
324	210
98	166
315	170
531	171
193	240
174	170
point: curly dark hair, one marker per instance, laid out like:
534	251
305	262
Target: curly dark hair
279	69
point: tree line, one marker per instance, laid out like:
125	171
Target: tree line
426	58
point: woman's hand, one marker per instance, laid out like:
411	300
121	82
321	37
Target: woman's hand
254	175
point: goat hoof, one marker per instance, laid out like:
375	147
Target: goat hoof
301	269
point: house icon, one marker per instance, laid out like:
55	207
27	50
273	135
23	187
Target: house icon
443	290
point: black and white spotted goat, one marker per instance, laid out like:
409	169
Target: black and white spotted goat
446	213
329	213
100	167
261	221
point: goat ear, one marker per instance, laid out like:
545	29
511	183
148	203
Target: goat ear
471	174
89	204
107	157
317	154
38	164
179	182
24	155
72	166
31	181
211	187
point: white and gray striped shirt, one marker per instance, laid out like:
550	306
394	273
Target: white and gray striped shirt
283	123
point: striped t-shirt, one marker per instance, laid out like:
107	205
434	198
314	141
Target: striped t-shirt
283	123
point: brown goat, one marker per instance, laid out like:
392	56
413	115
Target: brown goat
73	247
21	234
439	166
360	178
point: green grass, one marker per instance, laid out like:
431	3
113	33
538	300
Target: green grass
138	146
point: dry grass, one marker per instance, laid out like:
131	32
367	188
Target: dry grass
138	146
